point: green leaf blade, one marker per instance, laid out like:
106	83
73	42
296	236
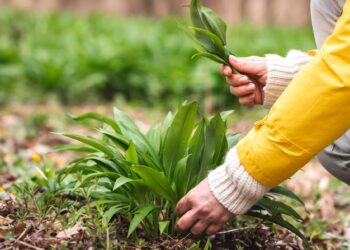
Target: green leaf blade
140	215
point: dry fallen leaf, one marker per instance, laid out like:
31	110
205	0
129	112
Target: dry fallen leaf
16	230
69	232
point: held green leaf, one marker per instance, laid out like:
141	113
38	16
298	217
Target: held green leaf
212	57
196	14
219	47
214	23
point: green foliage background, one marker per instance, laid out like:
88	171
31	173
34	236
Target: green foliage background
93	58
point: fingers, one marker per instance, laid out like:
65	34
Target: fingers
199	227
183	206
249	65
244	90
237	80
213	229
247	100
186	221
226	71
200	209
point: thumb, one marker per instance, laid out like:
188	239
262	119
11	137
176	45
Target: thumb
244	65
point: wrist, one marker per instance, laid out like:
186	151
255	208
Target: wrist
280	72
233	187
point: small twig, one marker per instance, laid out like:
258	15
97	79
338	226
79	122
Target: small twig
186	236
22	243
234	230
22	234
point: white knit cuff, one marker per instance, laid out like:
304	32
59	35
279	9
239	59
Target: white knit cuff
280	72
233	187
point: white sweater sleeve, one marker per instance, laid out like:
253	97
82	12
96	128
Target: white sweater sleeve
233	187
280	72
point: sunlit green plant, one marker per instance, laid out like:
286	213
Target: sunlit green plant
141	176
208	33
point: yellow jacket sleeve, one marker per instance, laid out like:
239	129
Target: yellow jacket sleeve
313	111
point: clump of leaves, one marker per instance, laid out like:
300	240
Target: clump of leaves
208	33
141	176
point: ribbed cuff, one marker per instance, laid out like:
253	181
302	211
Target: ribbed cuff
233	187
280	72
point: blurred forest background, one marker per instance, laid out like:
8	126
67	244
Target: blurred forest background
234	11
78	51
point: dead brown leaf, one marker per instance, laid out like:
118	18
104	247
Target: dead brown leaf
69	232
16	230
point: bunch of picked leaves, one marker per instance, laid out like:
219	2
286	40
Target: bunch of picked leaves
208	33
141	176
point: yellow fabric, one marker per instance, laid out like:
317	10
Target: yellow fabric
313	111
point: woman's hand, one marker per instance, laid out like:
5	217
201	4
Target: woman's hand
248	87
201	212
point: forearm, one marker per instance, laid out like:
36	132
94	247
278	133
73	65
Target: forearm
280	72
313	111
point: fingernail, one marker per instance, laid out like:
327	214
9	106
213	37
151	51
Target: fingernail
226	71
233	59
243	79
251	87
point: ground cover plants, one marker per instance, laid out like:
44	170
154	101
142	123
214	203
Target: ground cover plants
45	217
137	178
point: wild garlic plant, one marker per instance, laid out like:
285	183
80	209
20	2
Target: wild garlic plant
141	176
